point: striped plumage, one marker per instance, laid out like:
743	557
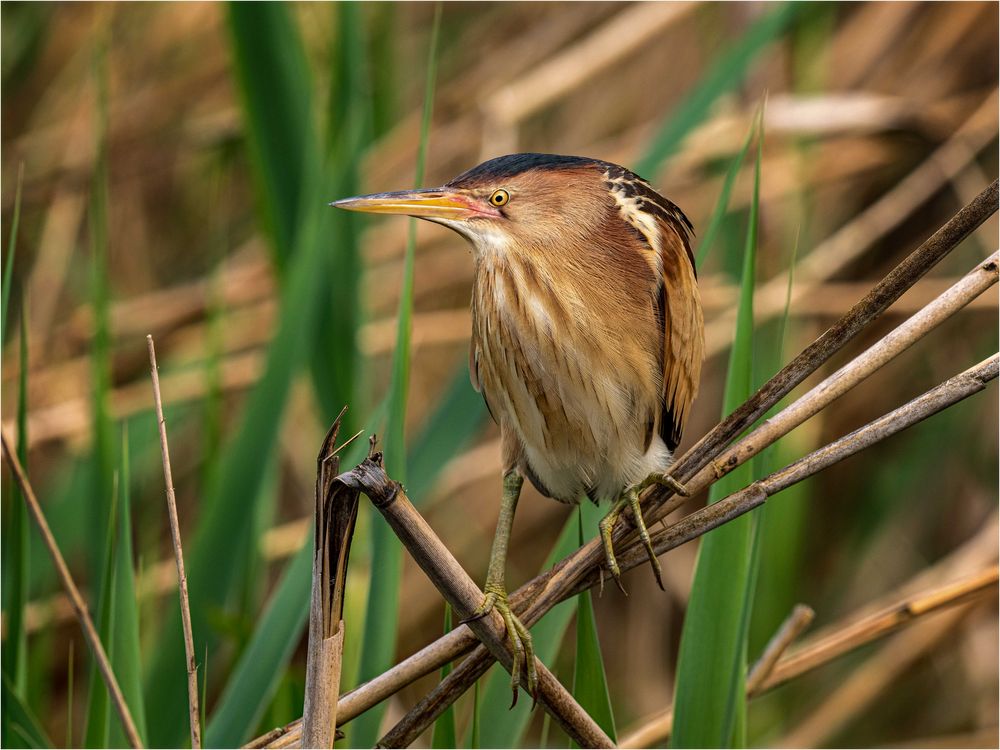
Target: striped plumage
587	335
587	328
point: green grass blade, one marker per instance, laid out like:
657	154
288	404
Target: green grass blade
8	266
590	685
254	680
709	700
102	451
500	727
722	204
21	727
445	735
17	550
382	616
96	731
457	418
474	731
124	652
723	76
273	80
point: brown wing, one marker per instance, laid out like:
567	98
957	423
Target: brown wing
677	300
683	328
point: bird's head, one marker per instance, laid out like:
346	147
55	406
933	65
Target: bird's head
527	201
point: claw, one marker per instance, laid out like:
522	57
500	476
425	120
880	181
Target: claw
633	503
520	641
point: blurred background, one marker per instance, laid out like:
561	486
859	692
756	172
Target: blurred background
174	163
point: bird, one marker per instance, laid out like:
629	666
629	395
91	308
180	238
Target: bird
587	336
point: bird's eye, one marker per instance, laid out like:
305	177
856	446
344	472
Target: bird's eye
500	198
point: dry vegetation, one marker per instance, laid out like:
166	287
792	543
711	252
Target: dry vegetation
881	122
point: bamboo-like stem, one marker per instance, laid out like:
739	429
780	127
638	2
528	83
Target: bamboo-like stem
79	606
194	715
661	726
851	633
465	597
588	558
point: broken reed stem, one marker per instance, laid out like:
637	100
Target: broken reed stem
659	502
851	633
76	600
333	529
801	617
465	597
661	726
194	714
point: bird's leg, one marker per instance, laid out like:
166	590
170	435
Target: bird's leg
496	590
630	500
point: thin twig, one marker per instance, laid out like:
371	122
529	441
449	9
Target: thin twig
79	606
175	537
658	728
801	617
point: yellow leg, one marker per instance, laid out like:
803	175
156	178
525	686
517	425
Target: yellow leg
496	591
630	499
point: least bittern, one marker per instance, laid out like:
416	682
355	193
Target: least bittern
587	334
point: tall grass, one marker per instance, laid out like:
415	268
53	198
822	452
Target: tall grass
709	697
382	617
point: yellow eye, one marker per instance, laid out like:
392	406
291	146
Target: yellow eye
500	197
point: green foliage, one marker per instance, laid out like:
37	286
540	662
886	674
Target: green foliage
17	542
21	727
709	701
382	615
444	734
8	266
256	676
590	686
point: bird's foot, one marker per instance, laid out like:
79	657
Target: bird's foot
520	640
630	500
663	480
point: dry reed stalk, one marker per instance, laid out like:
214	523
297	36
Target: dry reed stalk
977	281
851	633
587	560
871	678
194	715
79	606
465	597
336	514
334	529
652	731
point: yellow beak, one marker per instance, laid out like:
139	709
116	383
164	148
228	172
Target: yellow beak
433	203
